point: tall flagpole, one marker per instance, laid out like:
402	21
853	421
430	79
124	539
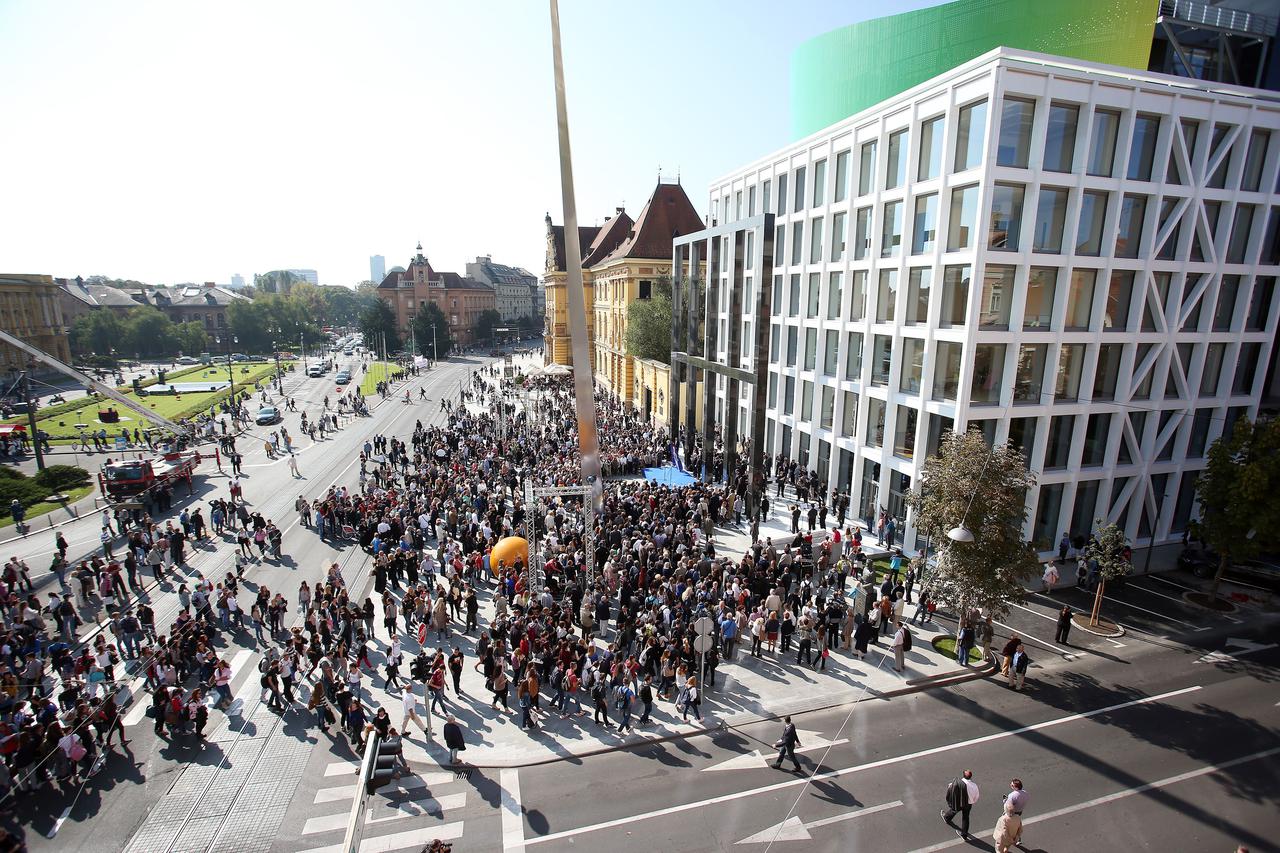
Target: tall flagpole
584	397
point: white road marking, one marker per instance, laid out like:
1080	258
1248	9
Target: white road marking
413	839
794	829
1055	621
346	792
834	774
1119	795
1179	601
1066	655
338	768
415	808
757	759
512	816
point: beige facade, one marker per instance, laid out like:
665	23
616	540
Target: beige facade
30	310
461	299
616	284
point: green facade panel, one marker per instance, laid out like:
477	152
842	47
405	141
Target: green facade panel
847	70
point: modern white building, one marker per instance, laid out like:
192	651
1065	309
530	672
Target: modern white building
1078	258
377	268
307	275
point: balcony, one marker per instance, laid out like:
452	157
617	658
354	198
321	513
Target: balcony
1189	13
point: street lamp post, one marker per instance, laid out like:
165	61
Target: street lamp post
231	374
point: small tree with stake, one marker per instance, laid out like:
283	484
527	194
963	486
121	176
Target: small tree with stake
1106	552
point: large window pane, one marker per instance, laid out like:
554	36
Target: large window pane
1096	431
837	236
848	413
912	365
1080	300
1102	142
1133	211
1060	137
946	370
1014	147
881	359
1058	449
793	303
828	407
1045	532
1051	216
919	280
1108	371
782	194
834	282
1240	229
1246	368
793	345
891	233
1251	177
970	134
788	395
1225	311
842	176
875	422
1093	214
806	400
815	241
862	233
866	167
853	357
924	231
1142	151
887	296
857	294
1260	303
810	349
988	373
896	170
1212	373
831	353
955	296
780	245
815	294
1006	217
964	218
1119	302
931	139
997	294
797	243
799	189
1042	286
904	432
1070	364
819	183
1028	383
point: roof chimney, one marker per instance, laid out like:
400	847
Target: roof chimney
620	210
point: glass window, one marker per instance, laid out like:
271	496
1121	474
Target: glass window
891	233
815	241
751	201
931	139
896	171
1199	438
810	348
862	233
1093	213
997	294
830	353
1260	304
773	390
1212	372
925	230
799	189
1079	300
1060	137
988	373
964	217
1104	378
777	296
1042	286
875	422
866	167
881	359
970	134
819	183
955	296
1014	146
912	365
857	294
797	243
788	395
1133	211
904	432
1058	449
1102	142
848	413
1142	389
1246	368
764	196
1255	159
782	194
1162	280
793	304
1218	179
887	296
853	357
779	245
806	400
1070	363
1190	134
1044	534
1006	217
1119	302
1240	234
775	336
946	370
834	282
837	236
1096	430
1028	383
1225	312
1142	151
793	344
842	176
815	294
1051	216
1169	250
828	407
918	281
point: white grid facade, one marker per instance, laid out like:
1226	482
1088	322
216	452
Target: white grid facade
1079	258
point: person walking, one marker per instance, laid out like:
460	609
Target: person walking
1008	827
453	739
409	706
986	633
1016	800
962	794
1050	577
787	745
1064	626
1018	667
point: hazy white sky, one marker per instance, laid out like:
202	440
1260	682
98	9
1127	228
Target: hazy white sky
180	141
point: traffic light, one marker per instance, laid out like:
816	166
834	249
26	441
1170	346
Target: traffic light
384	769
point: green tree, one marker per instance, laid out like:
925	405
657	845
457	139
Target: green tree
97	332
191	338
983	490
1106	549
429	318
378	325
148	332
248	322
1239	495
488	320
649	324
344	305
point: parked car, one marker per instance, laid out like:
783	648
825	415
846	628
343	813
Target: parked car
343	377
267	415
1203	563
186	359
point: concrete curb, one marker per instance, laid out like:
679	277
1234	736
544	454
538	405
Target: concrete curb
946	679
1119	632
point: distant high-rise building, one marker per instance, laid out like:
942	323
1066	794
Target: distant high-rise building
307	275
377	268
237	281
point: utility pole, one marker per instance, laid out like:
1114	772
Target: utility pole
31	417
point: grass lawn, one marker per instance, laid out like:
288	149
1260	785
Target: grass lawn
46	507
377	372
947	645
60	423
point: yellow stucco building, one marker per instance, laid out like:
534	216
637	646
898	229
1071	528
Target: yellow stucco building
30	310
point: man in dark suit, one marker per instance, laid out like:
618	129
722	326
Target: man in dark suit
787	745
961	795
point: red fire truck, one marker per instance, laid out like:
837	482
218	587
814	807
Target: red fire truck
130	477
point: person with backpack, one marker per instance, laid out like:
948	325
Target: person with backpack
962	793
901	645
623	697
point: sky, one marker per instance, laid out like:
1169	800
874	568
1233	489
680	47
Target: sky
172	141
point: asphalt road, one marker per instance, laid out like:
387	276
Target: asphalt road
1077	734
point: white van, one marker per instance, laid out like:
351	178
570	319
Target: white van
316	369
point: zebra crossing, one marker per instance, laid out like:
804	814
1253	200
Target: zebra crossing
429	800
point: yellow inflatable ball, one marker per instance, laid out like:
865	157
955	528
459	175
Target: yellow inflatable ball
507	551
